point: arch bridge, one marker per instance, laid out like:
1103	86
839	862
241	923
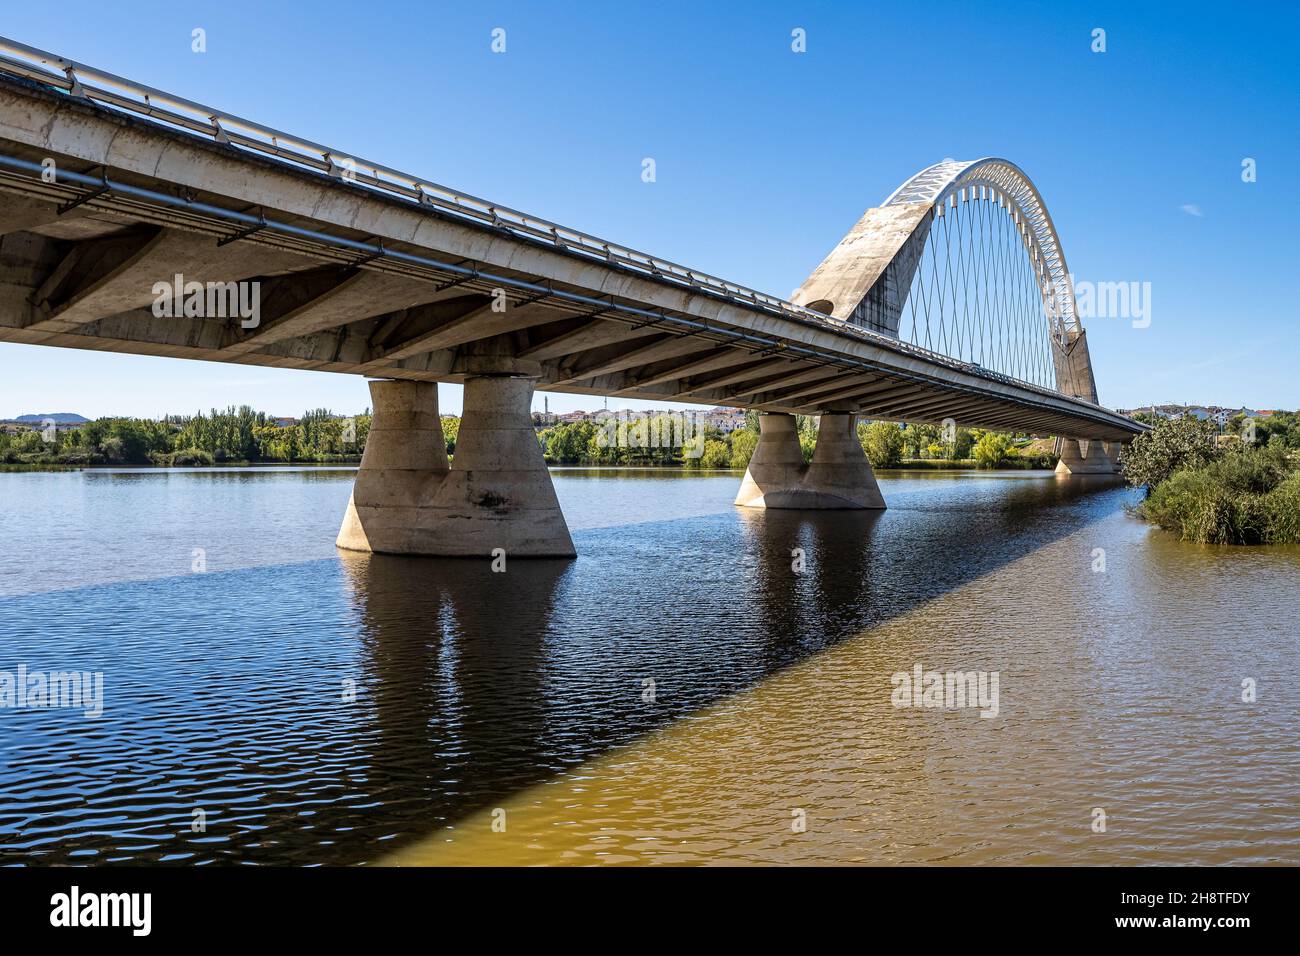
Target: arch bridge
134	220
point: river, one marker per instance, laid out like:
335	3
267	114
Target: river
704	684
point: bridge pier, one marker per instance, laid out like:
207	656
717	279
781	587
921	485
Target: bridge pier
777	463
839	476
1083	457
404	463
496	493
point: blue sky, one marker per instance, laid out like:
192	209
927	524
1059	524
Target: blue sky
764	157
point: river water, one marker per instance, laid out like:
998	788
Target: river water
704	684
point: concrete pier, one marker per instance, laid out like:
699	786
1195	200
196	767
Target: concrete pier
404	463
777	464
497	492
838	477
1081	457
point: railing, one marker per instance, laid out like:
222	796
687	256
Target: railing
98	86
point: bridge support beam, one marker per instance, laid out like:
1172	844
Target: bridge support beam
1082	457
839	476
497	492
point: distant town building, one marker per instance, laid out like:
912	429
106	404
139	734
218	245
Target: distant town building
1217	414
725	419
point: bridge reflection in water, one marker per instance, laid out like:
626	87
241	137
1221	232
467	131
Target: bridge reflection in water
455	656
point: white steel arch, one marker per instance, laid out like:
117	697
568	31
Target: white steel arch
1002	180
867	278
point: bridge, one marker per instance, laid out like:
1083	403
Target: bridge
133	220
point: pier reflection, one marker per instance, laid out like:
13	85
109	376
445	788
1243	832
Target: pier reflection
455	656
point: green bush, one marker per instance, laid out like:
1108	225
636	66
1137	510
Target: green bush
191	458
716	454
743	443
1249	496
1282	512
992	449
883	443
1198	508
30	443
1173	444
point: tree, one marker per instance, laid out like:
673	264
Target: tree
912	441
963	442
113	450
919	438
716	454
743	443
883	443
568	442
1281	428
806	428
450	432
1174	444
992	449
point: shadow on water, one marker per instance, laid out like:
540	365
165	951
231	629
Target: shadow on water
470	684
501	680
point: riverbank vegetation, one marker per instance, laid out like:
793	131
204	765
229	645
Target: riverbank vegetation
660	441
1215	490
651	441
233	436
244	436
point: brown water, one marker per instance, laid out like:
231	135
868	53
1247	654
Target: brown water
523	699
